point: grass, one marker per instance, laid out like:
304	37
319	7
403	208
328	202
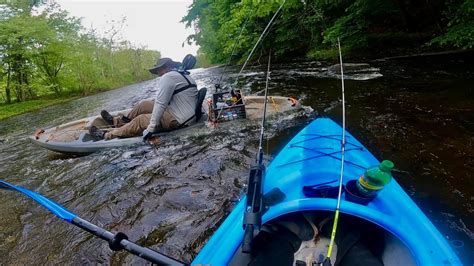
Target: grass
9	110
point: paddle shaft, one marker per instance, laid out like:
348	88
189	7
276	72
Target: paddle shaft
142	252
116	241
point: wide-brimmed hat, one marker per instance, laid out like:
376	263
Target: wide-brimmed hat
162	62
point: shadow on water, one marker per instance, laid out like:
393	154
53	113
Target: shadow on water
172	197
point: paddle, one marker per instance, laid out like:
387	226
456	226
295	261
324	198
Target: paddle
116	241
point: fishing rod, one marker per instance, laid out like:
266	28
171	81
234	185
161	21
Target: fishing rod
258	41
253	50
118	241
218	85
327	260
262	128
254	206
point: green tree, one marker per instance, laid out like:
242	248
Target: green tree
56	48
306	27
19	37
46	52
460	30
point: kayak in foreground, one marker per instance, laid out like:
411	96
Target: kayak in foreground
304	176
74	137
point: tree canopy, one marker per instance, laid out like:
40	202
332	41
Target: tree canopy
308	27
45	51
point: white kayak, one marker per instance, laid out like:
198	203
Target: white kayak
74	137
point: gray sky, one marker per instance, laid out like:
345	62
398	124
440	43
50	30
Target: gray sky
154	23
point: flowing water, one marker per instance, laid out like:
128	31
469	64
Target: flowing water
418	113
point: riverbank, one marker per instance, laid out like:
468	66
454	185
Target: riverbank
388	54
14	109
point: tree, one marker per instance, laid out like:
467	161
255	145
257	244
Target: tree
45	51
305	27
56	48
460	30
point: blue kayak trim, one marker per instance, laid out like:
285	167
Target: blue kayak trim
52	206
293	168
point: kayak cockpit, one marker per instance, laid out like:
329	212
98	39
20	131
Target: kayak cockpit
302	238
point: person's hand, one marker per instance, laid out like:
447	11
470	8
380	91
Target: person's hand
150	139
146	135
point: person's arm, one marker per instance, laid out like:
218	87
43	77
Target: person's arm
163	98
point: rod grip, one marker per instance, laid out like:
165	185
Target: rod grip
248	239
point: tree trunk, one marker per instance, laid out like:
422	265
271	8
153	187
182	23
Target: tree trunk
7	88
30	91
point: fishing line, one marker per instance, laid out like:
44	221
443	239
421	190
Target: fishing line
343	143
253	49
252	219
233	48
262	129
258	41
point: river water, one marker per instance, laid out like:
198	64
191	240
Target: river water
417	113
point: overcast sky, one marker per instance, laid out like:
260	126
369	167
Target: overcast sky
154	23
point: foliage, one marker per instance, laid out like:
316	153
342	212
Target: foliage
202	60
306	27
460	32
8	110
46	52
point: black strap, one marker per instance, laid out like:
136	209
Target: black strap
197	111
190	85
184	76
184	88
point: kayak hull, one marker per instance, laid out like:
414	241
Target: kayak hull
313	157
74	138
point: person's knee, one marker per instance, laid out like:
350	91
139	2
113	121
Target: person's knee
146	106
142	121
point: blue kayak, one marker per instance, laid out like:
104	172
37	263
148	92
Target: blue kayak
313	157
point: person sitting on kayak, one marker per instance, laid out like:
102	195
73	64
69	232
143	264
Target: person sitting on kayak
173	108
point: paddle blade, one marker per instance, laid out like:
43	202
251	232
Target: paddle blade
52	206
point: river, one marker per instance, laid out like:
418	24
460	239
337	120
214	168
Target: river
419	113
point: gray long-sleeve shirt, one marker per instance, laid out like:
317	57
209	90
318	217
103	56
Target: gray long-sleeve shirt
181	105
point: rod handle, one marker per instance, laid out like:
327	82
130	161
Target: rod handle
248	239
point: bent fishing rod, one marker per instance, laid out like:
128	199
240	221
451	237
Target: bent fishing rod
327	260
254	206
259	40
118	241
218	85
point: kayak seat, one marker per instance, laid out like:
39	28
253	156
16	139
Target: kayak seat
200	99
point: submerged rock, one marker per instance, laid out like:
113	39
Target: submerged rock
349	68
355	71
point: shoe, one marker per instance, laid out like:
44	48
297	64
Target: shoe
107	117
126	119
96	133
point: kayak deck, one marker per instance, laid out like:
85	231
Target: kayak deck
275	105
313	157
